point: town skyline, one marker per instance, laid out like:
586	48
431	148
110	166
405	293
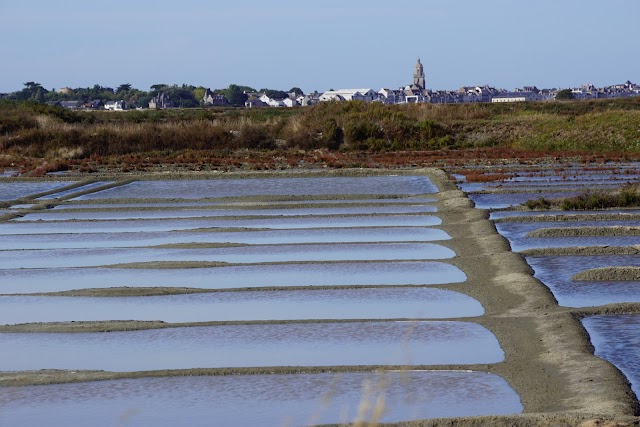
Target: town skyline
499	43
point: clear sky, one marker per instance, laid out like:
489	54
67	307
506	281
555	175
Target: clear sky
318	45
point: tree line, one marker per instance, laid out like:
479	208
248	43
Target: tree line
184	96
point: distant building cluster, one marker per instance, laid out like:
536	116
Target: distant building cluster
418	93
415	93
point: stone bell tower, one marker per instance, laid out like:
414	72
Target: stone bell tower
418	76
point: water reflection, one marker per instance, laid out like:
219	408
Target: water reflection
261	237
59	258
75	190
249	276
204	213
159	225
556	273
197	189
538	185
506	214
381	303
369	343
516	233
505	200
616	338
275	400
245	203
16	190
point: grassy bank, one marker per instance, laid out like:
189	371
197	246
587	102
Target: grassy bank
41	139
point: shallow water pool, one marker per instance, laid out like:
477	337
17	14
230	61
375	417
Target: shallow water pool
159	225
17	190
206	213
60	258
246	203
556	272
293	344
275	400
507	214
516	233
364	303
75	190
247	276
311	186
616	338
505	200
259	237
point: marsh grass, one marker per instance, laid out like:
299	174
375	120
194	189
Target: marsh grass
626	197
32	132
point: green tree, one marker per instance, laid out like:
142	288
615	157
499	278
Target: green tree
296	90
157	88
198	93
235	94
30	91
564	94
125	87
275	94
39	96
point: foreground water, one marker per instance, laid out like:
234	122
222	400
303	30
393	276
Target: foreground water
265	400
616	338
377	303
361	250
320	344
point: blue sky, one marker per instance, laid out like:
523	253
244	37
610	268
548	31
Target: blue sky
317	45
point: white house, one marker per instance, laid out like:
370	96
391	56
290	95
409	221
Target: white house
366	95
288	102
115	105
515	97
390	96
309	99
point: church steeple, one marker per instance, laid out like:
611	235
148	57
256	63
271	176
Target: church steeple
418	76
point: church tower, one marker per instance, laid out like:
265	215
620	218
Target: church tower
418	76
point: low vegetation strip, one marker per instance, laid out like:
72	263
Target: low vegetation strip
609	274
628	196
586	232
38	139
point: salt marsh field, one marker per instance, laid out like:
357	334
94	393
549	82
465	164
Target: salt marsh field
301	299
349	274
